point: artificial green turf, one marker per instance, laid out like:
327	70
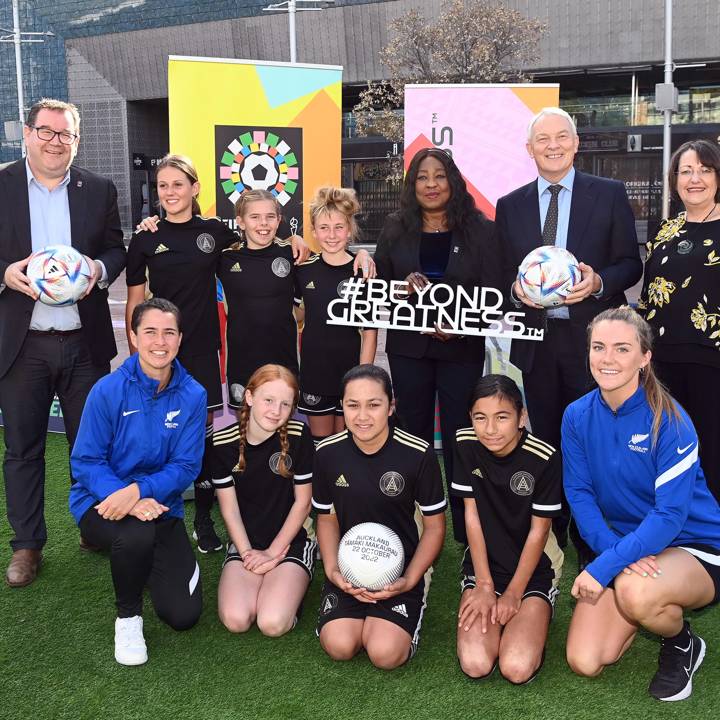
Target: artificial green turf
56	655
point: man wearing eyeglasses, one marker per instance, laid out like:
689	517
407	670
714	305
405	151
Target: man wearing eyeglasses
49	350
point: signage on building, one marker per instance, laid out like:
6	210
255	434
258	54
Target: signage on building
604	142
143	162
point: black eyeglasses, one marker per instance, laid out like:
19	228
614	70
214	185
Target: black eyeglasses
48	135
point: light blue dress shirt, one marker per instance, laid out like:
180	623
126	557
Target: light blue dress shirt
564	201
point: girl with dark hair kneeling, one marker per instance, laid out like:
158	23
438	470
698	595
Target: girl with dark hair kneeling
511	483
139	446
263	487
350	486
640	500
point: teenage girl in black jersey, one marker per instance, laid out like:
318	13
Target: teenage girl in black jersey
511	483
373	472
264	490
329	351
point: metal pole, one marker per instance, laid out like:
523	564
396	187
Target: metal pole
667	120
18	70
632	99
292	9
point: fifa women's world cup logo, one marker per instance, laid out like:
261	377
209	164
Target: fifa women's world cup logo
253	158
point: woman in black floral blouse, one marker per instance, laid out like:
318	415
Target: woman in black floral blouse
681	296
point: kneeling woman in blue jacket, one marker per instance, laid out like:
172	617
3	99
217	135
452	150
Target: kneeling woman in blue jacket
640	500
140	444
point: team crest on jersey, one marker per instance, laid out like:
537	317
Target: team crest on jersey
341	287
274	462
161	249
170	419
205	242
281	267
392	483
522	483
636	441
311	399
329	603
237	391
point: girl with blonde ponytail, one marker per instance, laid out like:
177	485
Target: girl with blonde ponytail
329	351
263	481
640	501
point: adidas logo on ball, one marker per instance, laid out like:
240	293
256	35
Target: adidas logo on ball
371	556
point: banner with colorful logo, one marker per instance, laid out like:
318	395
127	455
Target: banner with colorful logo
257	125
484	128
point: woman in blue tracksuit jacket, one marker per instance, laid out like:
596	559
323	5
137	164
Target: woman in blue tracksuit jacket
139	446
640	500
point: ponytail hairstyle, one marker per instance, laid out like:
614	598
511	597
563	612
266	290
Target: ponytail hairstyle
185	165
498	386
334	199
659	399
265	374
251	196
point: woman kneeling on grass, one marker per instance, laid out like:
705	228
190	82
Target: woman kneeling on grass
264	490
351	475
640	500
139	446
511	483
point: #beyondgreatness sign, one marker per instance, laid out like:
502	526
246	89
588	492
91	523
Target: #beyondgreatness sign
455	310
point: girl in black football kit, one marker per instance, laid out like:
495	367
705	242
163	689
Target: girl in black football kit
328	351
261	287
177	257
511	483
373	472
263	482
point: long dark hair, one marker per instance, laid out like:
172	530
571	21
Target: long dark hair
499	386
461	205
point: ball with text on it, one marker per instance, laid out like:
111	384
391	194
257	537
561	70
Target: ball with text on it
59	274
371	556
547	275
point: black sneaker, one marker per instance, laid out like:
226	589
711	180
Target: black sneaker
676	666
204	533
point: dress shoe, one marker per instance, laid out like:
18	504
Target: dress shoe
23	567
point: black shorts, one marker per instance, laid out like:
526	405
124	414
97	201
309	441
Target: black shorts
310	404
206	370
540	585
709	558
405	610
301	552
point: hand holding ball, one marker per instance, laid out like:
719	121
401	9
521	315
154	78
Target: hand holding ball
371	556
59	274
547	274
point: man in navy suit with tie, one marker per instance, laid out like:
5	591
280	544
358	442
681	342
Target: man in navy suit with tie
589	216
47	350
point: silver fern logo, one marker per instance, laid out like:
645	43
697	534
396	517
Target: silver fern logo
635	442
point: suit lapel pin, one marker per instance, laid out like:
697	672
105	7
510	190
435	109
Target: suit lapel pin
79	183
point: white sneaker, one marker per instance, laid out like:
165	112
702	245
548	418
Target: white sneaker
130	648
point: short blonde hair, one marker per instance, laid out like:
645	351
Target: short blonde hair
334	199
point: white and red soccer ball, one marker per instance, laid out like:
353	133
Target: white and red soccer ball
547	275
59	274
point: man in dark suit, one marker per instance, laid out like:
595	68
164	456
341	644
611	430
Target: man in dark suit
47	350
589	216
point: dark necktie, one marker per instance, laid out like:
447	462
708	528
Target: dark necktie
551	219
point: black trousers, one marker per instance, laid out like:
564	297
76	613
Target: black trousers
156	553
697	388
416	382
559	376
47	365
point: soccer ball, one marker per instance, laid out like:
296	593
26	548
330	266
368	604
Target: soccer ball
371	555
59	274
259	172
547	274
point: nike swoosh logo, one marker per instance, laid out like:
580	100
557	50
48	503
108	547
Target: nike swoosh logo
685	649
129	412
680	451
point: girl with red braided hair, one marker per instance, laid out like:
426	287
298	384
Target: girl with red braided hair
263	477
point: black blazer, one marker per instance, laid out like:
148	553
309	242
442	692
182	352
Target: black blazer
601	233
95	231
476	262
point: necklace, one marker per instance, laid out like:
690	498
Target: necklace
440	227
685	246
